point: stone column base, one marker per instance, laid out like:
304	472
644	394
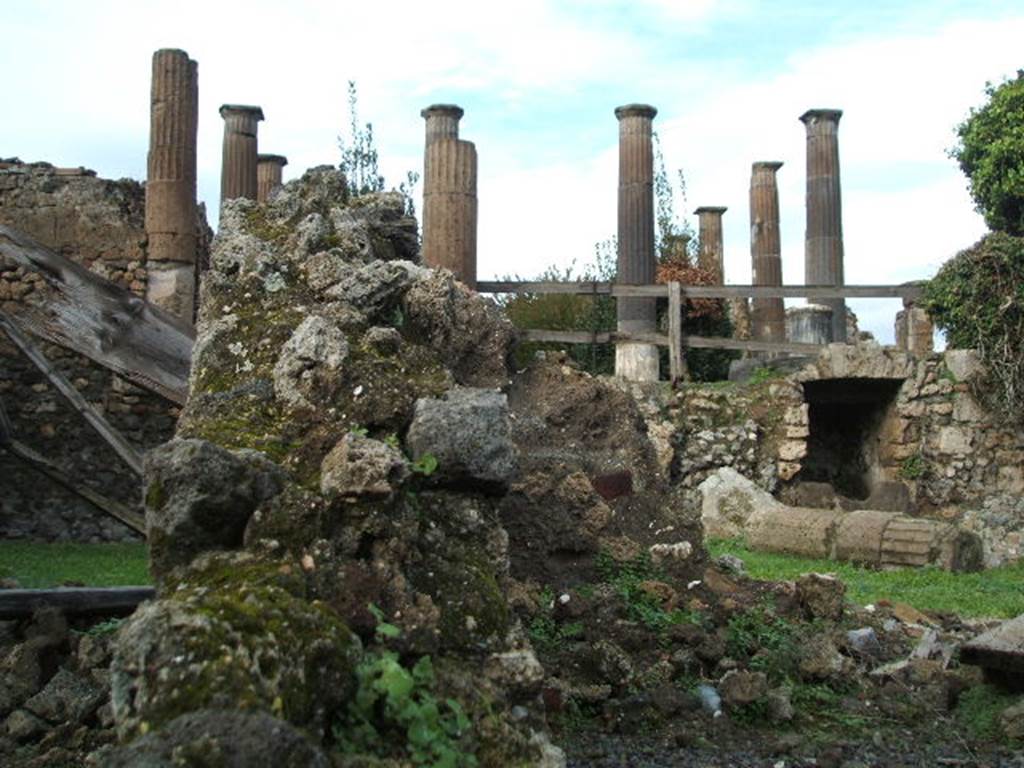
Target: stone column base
636	362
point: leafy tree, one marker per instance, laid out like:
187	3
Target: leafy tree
977	298
991	154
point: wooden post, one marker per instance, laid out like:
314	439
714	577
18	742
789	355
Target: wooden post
675	332
73	601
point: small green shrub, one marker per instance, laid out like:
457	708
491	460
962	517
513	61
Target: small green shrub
395	713
769	642
642	607
425	465
912	467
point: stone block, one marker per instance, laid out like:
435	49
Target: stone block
964	364
966	408
792	450
469	433
821	595
954	440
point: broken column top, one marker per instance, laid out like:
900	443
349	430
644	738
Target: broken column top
442	110
442	121
766	165
635	110
278	159
177	51
711	209
228	109
812	115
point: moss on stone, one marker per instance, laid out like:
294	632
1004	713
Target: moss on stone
250	643
474	611
155	496
258	223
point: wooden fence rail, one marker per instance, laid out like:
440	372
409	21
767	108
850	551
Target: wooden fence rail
588	287
675	340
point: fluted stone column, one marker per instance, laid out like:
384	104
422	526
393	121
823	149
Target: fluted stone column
449	194
823	248
238	166
268	175
768	321
171	223
636	259
710	256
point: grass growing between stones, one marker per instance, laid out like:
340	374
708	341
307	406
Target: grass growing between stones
36	565
994	593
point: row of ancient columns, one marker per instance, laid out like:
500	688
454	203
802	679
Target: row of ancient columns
172	223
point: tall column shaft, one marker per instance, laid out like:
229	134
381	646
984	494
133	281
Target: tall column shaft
636	259
171	221
268	175
238	165
768	316
711	252
823	248
449	195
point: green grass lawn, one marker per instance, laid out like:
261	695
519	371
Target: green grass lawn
35	564
995	593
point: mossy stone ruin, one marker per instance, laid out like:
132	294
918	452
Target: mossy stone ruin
286	521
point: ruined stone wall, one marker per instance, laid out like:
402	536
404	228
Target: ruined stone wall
956	461
98	223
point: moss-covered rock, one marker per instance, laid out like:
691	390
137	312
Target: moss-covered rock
231	636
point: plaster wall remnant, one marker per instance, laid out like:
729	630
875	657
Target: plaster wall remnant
823	247
809	324
449	194
768	316
238	164
268	175
711	250
171	224
636	259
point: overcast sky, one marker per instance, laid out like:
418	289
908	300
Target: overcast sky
539	82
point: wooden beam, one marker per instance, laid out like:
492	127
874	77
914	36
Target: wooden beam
73	601
19	450
912	292
720	342
909	291
115	439
588	337
111	326
675	332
